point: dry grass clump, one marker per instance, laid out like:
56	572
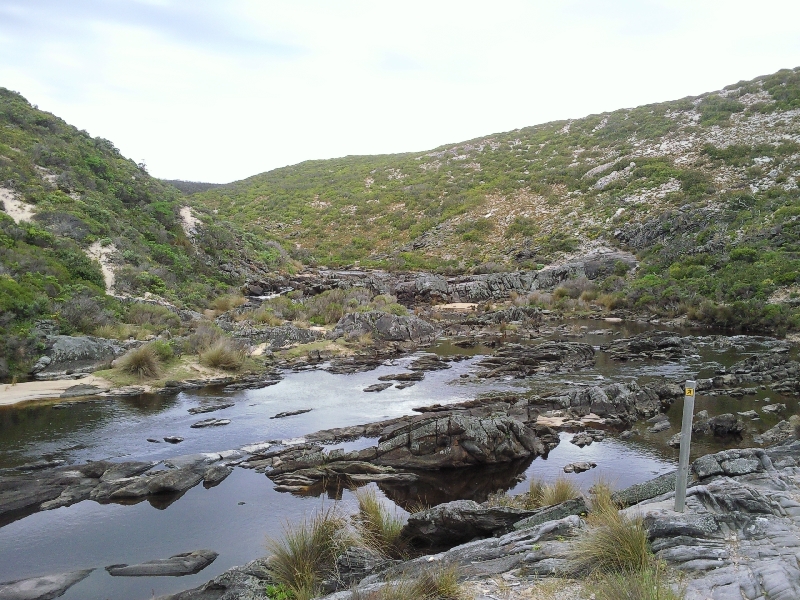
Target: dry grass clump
431	584
142	362
306	555
539	495
379	529
613	542
228	302
118	331
152	316
645	584
223	354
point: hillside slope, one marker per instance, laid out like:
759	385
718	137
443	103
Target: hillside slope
704	190
70	202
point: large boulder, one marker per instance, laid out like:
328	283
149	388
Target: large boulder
460	521
69	354
458	440
385	327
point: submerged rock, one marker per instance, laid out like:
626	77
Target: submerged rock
46	587
377	387
178	565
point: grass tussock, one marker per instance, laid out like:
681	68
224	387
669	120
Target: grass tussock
306	555
143	362
644	584
379	529
431	584
226	303
613	542
539	495
223	354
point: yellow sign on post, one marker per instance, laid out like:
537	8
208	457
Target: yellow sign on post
682	476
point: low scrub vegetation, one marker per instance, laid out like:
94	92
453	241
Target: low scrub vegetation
225	354
430	584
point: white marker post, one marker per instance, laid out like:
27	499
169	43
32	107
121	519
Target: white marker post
686	439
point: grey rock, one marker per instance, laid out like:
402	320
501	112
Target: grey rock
550	357
579	467
46	587
187	563
661	345
377	387
459	521
413	376
557	512
84	354
173	439
80	390
749	414
725	425
385	327
216	474
659	427
210	423
197	410
291	413
783	431
773	408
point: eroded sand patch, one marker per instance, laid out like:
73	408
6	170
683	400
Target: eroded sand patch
103	254
16	209
189	221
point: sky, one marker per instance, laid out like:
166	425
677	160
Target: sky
214	91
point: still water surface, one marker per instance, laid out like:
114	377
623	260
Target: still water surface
236	517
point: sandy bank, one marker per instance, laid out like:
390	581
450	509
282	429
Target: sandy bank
39	390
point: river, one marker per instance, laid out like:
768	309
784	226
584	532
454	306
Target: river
236	517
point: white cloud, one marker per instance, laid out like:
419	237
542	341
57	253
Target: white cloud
220	91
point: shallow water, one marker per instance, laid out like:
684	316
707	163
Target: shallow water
91	535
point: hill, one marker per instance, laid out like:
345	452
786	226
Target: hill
703	189
78	220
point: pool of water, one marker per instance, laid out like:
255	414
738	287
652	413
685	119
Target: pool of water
236	517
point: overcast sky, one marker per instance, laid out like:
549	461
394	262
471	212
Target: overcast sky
217	91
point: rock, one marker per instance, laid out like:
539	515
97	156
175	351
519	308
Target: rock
248	582
187	563
384	327
639	492
197	410
354	564
675	441
276	338
210	423
291	413
749	414
40	465
41	364
74	354
46	587
402	386
173	439
659	427
724	425
459	521
783	431
461	440
216	474
579	467
429	362
170	481
550	357
378	387
662	345
413	376
576	506
773	409
582	439
82	389
153	441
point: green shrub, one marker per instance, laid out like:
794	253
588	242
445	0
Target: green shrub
164	350
152	315
142	362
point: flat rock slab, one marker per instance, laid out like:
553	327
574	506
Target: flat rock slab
197	410
42	588
413	376
82	389
187	563
291	413
378	387
210	423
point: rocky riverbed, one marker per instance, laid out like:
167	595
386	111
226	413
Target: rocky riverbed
599	386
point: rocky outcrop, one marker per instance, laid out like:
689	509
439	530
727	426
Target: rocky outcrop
519	360
246	582
460	441
384	327
627	401
661	345
187	563
460	521
46	587
66	355
275	338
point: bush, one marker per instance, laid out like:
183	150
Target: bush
430	584
379	529
152	315
307	554
142	362
84	313
163	350
223	354
205	336
226	303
